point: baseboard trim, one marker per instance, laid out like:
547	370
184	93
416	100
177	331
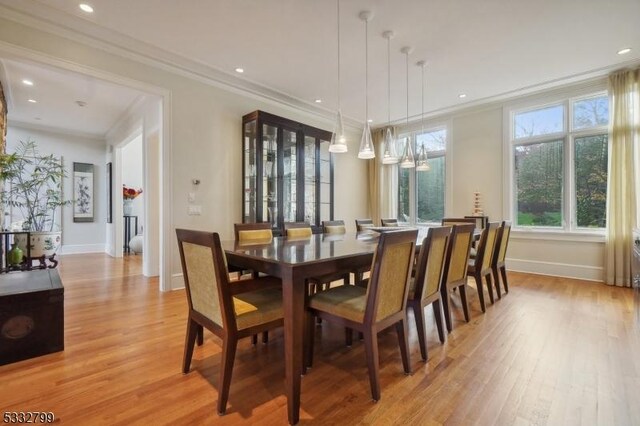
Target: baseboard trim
565	270
82	248
177	281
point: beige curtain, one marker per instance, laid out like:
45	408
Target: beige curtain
621	192
383	182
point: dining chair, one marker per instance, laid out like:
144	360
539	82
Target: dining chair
389	222
363	224
297	230
371	310
480	266
455	270
425	287
253	233
231	311
499	256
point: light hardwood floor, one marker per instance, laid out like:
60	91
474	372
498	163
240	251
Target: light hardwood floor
553	351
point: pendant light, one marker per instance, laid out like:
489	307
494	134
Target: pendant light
422	164
407	162
389	155
366	144
338	139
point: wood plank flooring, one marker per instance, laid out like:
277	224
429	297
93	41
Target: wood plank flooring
553	351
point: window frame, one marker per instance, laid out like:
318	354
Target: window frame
413	187
568	136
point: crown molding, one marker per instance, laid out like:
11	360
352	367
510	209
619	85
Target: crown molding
51	20
55	130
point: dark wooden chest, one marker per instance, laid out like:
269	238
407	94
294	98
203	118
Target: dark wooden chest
31	315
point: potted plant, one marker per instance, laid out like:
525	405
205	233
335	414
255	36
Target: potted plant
32	184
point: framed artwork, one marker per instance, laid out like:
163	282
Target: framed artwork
109	194
82	192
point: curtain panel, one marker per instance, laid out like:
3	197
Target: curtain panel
621	190
383	181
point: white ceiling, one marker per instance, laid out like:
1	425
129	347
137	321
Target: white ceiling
56	92
484	48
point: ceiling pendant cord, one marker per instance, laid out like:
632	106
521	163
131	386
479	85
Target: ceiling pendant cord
422	163
367	150
389	155
407	161
338	142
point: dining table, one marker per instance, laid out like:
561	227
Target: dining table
294	261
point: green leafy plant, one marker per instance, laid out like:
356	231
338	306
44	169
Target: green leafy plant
32	183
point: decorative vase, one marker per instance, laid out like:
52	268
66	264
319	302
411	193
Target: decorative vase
15	255
44	243
127	206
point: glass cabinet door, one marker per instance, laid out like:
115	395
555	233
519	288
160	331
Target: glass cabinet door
289	175
270	174
310	180
250	183
325	181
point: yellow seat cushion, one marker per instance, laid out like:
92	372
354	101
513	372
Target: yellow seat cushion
257	307
335	229
255	235
346	301
299	232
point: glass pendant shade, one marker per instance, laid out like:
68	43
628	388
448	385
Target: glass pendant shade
366	144
338	139
407	161
422	165
389	154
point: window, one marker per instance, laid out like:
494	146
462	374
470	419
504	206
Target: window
559	164
421	194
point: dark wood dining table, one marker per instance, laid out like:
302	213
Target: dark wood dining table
294	260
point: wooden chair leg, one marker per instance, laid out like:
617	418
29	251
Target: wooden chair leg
254	339
200	340
496	278
446	302
371	351
309	340
265	337
189	343
465	302
229	345
497	284
503	272
480	289
348	336
401	329
437	313
489	287
418	314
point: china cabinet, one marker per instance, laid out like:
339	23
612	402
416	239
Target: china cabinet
287	171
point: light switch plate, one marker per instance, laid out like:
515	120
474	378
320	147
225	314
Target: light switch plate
191	197
194	210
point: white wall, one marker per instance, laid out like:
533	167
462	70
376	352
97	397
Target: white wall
205	137
76	237
132	174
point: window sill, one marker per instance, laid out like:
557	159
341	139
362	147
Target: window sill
576	236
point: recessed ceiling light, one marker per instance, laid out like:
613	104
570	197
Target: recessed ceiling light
369	121
27	82
240	70
85	7
462	95
624	51
33	101
318	101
